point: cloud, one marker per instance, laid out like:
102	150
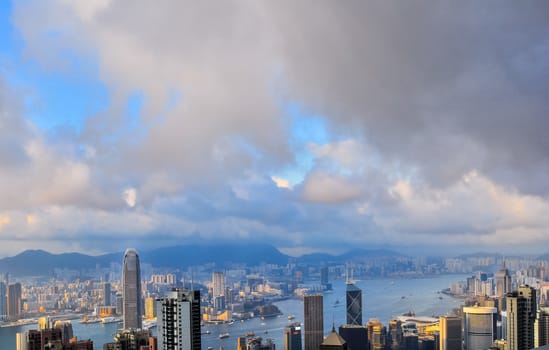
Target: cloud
130	197
433	123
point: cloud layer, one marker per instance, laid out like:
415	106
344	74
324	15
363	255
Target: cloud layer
435	118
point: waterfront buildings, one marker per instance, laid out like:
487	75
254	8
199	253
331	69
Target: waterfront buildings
479	327
178	325
3	307
521	314
13	301
313	317
354	304
131	290
292	337
106	294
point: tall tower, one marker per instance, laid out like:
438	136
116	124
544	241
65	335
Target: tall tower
313	315
292	337
354	304
3	307
218	284
106	294
14	301
503	281
179	320
479	327
521	314
131	290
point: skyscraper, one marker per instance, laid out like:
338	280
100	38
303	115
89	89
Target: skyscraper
179	320
313	314
292	337
541	327
354	304
14	301
218	284
479	327
503	281
450	333
131	290
106	294
521	314
355	336
3	307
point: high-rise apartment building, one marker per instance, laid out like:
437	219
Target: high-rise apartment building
292	337
521	314
178	325
3	306
450	333
324	276
377	334
354	304
218	284
131	290
313	317
106	294
541	327
13	301
479	327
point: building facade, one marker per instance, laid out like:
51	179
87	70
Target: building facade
313	317
131	290
521	314
479	327
178	320
354	304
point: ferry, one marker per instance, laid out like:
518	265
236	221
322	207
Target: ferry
290	317
87	320
111	319
224	335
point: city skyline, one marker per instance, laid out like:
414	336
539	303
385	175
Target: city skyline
417	127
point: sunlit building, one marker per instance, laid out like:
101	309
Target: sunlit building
521	314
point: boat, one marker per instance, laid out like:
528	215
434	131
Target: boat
291	317
86	320
250	334
224	335
210	348
111	319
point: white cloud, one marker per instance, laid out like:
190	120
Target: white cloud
130	196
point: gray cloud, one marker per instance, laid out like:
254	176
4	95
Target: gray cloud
417	97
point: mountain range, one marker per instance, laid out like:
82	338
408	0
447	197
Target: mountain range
42	263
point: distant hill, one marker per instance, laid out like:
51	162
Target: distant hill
42	263
349	256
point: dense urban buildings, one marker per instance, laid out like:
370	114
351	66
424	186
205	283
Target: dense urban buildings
313	321
131	290
450	333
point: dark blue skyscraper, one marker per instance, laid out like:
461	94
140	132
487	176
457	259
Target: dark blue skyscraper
354	304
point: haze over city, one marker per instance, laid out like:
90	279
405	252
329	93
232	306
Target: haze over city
314	127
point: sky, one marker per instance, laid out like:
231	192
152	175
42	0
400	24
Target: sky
420	126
